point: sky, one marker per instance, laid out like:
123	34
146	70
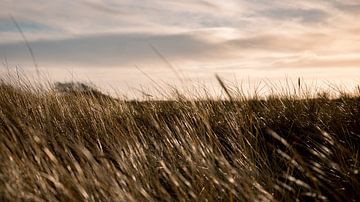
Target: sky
133	44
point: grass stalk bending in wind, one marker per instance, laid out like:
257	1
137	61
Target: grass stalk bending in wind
86	147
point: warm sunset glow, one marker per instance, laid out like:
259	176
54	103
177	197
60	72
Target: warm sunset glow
103	41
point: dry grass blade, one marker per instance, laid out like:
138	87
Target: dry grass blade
223	86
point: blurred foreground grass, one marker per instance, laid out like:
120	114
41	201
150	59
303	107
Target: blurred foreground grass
83	146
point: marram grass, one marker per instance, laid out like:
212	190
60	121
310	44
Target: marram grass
87	147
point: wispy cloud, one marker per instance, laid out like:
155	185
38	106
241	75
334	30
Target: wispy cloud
115	49
243	33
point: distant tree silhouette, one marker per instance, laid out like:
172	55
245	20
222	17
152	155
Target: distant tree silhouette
79	88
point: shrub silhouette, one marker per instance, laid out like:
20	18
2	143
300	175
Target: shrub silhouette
79	88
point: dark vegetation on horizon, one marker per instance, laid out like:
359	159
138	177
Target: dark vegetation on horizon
81	146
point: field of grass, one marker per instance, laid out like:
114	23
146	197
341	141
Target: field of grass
83	146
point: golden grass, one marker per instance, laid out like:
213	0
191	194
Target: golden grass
84	147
